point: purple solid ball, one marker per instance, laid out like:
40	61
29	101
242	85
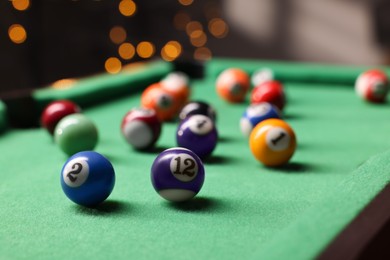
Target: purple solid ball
198	133
177	174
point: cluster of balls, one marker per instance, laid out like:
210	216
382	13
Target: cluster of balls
177	174
87	178
272	141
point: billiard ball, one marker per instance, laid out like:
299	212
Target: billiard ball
232	85
177	174
272	142
262	75
177	84
199	134
87	178
198	108
372	86
166	105
271	92
141	128
55	111
75	133
256	113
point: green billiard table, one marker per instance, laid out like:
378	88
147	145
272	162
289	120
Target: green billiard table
303	210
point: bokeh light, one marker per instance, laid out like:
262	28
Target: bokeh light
202	53
127	7
17	33
198	38
186	2
64	83
218	28
113	65
145	49
126	51
180	20
171	50
21	5
118	34
193	26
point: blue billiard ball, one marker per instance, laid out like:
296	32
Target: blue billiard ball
256	113
177	174
87	178
198	133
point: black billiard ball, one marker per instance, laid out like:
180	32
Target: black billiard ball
198	108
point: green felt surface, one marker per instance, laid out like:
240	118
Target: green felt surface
3	117
294	72
244	209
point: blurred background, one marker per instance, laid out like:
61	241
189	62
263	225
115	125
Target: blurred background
45	41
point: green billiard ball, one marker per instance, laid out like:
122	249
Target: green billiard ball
75	133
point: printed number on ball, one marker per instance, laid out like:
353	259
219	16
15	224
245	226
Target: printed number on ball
277	139
184	167
76	172
200	124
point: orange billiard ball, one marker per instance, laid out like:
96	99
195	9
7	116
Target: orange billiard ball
166	105
177	84
232	85
272	142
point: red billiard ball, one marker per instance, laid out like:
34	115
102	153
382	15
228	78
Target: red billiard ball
166	105
55	111
232	85
372	85
271	92
141	128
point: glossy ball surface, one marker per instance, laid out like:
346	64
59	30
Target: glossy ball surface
232	85
177	174
198	108
177	84
75	133
166	105
271	92
141	128
262	75
372	86
87	178
255	114
197	133
272	142
55	111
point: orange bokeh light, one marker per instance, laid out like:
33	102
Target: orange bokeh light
113	65
202	53
218	28
118	34
21	5
171	50
145	49
17	33
186	2
126	51
127	7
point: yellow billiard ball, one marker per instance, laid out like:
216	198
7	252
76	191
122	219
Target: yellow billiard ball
272	142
